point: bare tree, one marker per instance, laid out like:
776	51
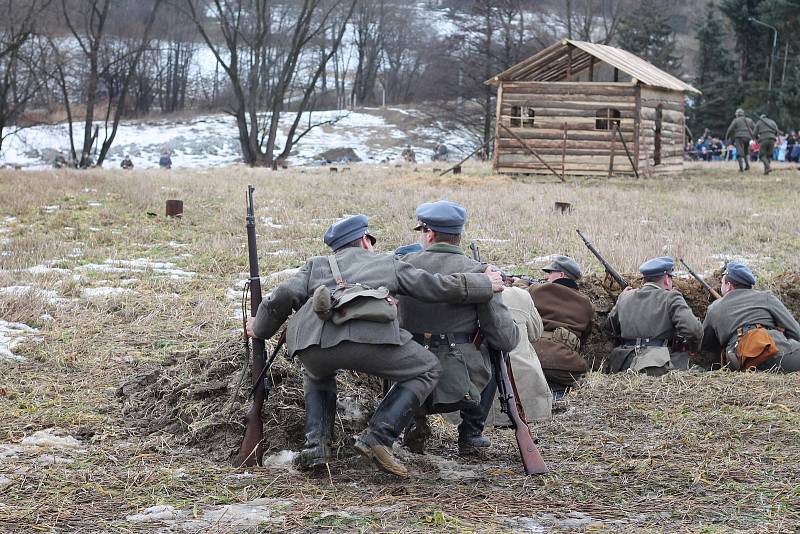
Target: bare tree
267	51
596	21
109	61
368	30
21	58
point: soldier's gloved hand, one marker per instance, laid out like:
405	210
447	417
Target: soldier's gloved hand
495	278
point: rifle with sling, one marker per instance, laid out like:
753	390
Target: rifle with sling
251	451
511	405
703	283
610	271
476	253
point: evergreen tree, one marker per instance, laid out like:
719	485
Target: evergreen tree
715	76
646	31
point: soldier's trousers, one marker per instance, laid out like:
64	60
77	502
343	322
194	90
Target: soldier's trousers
765	154
742	151
410	365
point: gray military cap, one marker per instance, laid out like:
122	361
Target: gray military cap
566	265
739	112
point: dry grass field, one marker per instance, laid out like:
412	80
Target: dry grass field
120	404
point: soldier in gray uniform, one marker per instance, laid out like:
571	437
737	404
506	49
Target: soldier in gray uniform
766	131
378	348
655	326
743	309
742	129
449	330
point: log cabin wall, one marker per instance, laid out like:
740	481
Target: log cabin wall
541	113
669	107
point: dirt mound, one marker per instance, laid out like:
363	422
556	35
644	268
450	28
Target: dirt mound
787	288
198	400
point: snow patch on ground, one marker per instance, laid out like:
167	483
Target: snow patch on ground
45	439
163	268
542	259
50	448
29	291
217	518
269	222
282	459
571	521
104	292
11	335
749	259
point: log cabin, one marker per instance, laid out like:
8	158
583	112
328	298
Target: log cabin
579	108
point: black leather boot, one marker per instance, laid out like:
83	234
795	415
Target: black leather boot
416	434
470	431
391	417
320	414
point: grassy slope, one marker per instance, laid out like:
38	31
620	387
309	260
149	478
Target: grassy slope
686	452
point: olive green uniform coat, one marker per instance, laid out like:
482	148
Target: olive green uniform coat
655	314
742	130
766	132
496	323
741	307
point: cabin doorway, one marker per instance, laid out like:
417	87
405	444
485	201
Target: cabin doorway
657	141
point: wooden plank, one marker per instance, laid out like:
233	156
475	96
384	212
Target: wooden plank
583	124
529	149
627	152
574	135
637	128
568	88
532	99
564	152
611	155
497	125
585	105
585	113
571	144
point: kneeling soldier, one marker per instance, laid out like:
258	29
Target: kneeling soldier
654	324
449	330
325	343
752	328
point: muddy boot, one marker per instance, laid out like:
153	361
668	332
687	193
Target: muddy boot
416	434
741	164
391	417
746	164
320	413
471	440
767	168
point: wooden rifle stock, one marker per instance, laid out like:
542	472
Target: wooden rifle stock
251	451
532	459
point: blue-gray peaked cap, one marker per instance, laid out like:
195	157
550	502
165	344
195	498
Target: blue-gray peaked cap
442	216
407	249
740	273
346	231
566	265
657	266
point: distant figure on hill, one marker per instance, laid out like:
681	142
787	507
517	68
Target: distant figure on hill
165	162
59	162
440	152
126	163
408	154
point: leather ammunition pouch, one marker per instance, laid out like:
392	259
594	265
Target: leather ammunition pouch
753	346
564	336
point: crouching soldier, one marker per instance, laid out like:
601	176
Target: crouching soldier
655	326
326	335
567	316
449	330
752	329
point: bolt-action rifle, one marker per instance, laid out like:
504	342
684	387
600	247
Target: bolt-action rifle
703	283
251	451
476	253
610	271
511	405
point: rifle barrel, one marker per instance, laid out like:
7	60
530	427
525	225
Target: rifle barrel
618	278
703	283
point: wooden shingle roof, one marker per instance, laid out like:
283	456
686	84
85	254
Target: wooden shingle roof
566	57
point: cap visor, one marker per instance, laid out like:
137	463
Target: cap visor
372	238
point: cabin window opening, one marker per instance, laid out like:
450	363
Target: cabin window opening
522	116
607	118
